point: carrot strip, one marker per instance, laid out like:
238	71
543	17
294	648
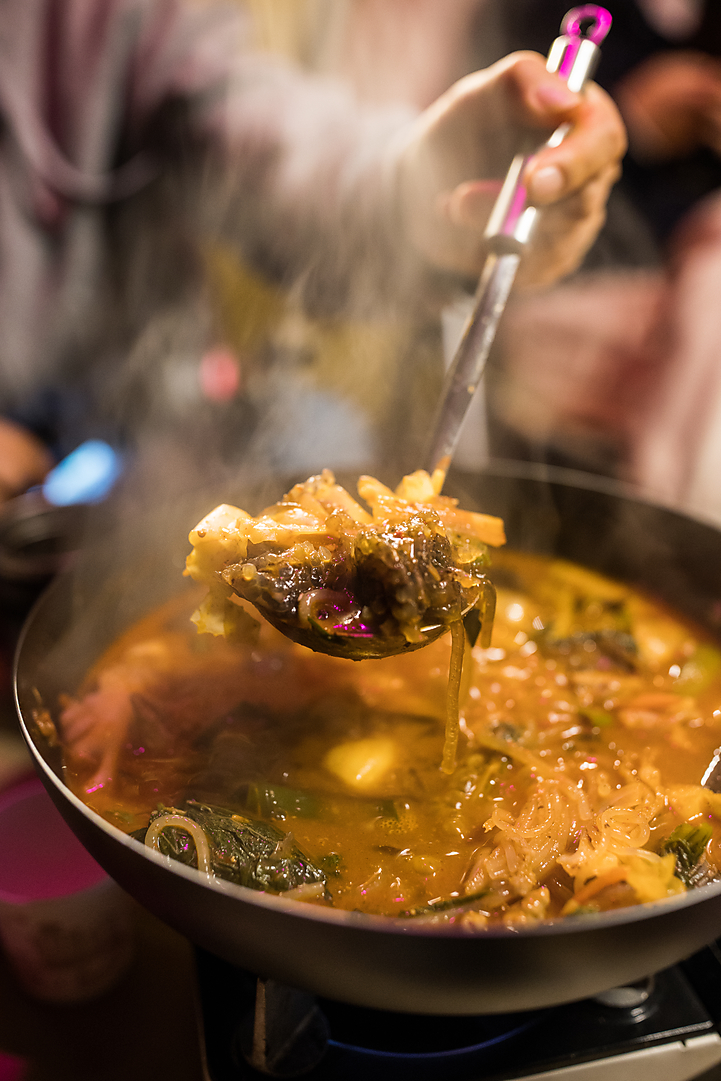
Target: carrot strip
617	874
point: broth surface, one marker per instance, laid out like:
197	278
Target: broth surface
585	731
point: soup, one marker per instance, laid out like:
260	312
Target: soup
585	730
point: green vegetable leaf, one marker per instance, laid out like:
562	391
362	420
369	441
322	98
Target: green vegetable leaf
242	850
699	670
386	808
444	906
687	844
332	864
267	800
584	910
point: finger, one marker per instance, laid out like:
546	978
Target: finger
543	99
549	259
470	204
592	197
566	230
558	223
596	140
514	93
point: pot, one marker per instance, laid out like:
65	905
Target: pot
377	961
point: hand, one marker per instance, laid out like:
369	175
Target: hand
672	105
460	148
24	460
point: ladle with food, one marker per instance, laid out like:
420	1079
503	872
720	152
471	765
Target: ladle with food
338	579
341	580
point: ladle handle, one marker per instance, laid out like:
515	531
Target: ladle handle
573	56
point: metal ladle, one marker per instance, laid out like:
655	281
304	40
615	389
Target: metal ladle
574	56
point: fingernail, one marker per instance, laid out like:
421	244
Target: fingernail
547	183
555	96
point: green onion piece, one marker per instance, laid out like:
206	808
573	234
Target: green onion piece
274	799
687	844
444	906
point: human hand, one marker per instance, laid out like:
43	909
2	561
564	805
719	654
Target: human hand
451	167
24	460
672	105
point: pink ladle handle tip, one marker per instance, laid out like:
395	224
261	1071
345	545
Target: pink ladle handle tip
571	25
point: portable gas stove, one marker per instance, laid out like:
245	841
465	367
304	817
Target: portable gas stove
667	1028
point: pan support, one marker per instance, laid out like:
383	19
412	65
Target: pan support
286	1035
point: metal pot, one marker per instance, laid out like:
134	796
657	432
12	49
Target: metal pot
377	961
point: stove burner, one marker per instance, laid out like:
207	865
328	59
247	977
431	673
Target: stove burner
381	1035
674	1015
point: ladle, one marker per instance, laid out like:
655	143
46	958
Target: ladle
356	647
574	56
712	777
342	630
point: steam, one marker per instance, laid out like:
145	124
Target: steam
269	252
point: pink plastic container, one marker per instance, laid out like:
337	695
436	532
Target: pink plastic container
64	924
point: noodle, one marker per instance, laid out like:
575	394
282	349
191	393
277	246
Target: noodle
458	645
202	848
